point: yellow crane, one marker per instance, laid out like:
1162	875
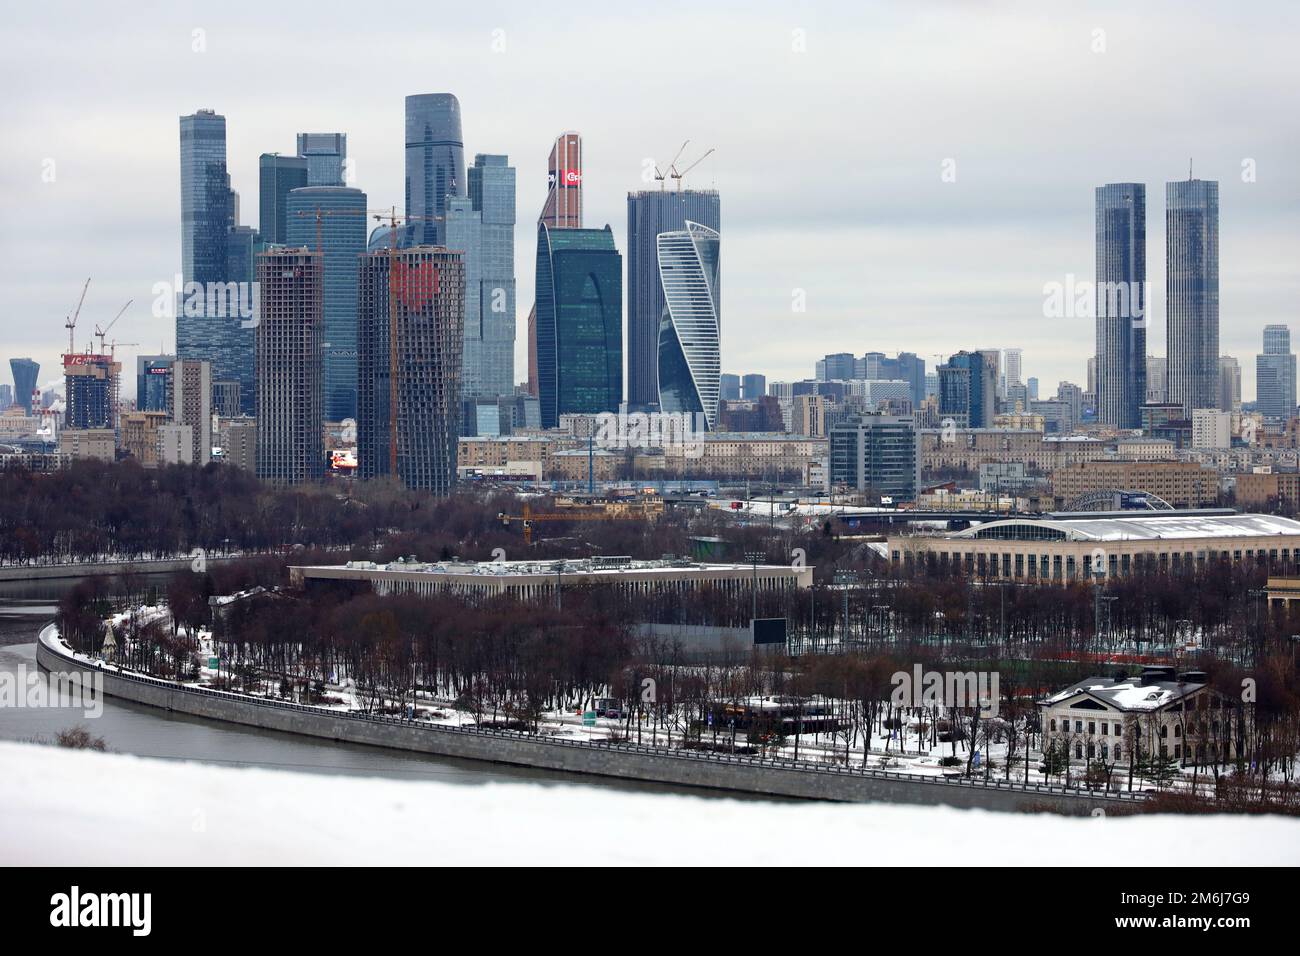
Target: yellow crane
529	516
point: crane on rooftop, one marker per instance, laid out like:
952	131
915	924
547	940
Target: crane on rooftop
71	322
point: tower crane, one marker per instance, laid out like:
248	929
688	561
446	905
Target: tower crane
679	176
102	333
660	175
71	323
587	514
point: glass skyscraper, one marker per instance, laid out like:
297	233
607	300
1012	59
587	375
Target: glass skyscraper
342	236
1121	303
1192	293
482	226
563	210
690	332
1275	373
277	175
326	155
579	322
215	324
24	371
153	382
649	213
435	163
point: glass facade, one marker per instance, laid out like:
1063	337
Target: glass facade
689	361
1192	293
25	372
875	453
435	163
326	156
1275	373
153	383
579	322
482	226
1121	303
277	175
649	213
342	236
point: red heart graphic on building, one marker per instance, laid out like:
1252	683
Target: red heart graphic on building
414	285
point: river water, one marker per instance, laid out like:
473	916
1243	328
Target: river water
131	728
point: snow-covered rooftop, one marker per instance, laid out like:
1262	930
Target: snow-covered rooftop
1128	694
1143	526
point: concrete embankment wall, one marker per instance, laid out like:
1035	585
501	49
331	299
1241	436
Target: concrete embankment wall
41	572
717	772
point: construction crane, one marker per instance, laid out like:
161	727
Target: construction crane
660	175
529	516
71	323
102	333
679	176
393	218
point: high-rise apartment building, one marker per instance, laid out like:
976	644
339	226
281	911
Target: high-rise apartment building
427	287
1121	303
90	391
191	405
290	406
649	213
1192	292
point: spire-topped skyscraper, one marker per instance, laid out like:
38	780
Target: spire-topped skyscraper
562	210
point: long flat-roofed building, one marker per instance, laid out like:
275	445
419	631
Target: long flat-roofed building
534	579
1069	547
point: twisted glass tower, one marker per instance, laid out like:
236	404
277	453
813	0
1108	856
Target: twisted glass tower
689	331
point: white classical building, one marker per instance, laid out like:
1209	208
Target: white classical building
1159	711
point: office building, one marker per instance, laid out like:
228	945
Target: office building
579	328
690	331
277	177
650	213
25	372
153	383
1275	375
1229	384
482	227
729	387
435	165
562	210
335	218
875	454
753	386
326	155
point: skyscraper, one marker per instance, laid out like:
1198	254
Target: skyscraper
290	437
753	386
690	332
1121	302
342	235
579	327
1011	361
482	226
649	213
90	391
968	388
1192	292
25	372
1156	373
215	324
729	387
435	163
327	157
1275	375
277	175
429	284
562	210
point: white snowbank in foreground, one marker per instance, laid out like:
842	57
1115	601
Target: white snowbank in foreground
77	807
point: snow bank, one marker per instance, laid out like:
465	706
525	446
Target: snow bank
64	807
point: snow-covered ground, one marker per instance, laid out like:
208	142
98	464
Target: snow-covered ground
67	807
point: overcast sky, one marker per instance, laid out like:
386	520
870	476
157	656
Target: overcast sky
833	131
